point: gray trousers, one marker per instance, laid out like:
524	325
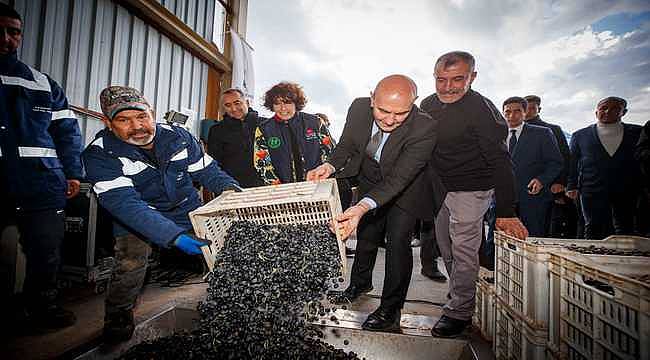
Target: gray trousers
131	256
459	230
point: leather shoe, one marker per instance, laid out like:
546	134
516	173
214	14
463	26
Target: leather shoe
383	319
434	274
351	294
448	327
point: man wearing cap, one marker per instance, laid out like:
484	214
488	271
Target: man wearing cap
142	173
604	172
40	145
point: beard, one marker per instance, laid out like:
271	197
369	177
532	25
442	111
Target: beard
142	141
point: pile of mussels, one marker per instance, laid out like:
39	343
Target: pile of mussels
266	288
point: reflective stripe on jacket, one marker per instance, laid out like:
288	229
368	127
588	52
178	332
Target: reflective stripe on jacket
40	142
152	200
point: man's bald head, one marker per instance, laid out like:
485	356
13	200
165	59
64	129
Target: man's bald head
397	86
392	101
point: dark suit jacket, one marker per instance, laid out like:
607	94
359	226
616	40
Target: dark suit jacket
536	156
594	171
561	143
403	158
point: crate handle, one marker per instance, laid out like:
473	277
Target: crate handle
601	287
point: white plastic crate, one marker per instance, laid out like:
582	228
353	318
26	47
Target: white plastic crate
515	339
598	310
521	272
297	203
485	310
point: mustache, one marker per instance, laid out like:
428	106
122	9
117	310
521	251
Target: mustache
452	92
140	132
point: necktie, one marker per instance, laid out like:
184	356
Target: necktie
513	141
373	144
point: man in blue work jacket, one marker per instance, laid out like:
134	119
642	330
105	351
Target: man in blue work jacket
142	173
39	167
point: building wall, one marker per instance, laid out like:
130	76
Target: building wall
86	45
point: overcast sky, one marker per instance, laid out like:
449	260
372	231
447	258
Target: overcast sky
571	53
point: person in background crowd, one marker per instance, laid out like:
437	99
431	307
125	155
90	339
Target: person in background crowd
562	217
604	173
386	144
537	163
474	166
232	142
143	174
642	155
40	167
293	137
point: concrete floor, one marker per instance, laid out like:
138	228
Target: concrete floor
422	296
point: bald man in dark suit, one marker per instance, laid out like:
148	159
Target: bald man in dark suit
386	143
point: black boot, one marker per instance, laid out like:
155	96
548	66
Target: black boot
118	326
383	319
45	313
448	327
433	273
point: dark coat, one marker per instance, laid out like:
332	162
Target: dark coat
306	131
471	154
562	144
230	142
536	155
403	158
594	171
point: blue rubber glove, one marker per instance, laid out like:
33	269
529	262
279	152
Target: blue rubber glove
189	245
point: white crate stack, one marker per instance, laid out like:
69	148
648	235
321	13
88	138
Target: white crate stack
599	310
485	310
539	302
297	203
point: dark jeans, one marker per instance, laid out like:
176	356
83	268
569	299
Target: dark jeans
486	251
429	251
41	235
607	214
131	257
396	226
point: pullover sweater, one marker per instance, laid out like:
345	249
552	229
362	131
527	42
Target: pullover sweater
471	154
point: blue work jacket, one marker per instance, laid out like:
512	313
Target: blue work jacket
40	140
152	200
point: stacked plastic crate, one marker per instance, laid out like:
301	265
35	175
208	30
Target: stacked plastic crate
485	310
599	307
522	284
541	302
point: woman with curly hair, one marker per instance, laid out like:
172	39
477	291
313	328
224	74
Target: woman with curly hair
293	138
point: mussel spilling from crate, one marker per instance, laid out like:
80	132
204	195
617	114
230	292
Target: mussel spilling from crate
266	278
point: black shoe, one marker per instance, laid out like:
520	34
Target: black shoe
351	294
448	327
118	327
434	274
383	319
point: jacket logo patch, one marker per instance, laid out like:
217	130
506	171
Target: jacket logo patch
274	142
42	109
310	134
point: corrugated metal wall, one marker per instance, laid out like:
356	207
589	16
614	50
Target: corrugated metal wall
86	45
